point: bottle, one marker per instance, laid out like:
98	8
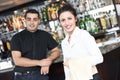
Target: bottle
1	45
62	3
3	54
49	12
14	19
82	23
44	14
9	24
2	51
98	22
93	25
53	11
88	23
6	52
4	26
103	22
113	18
60	32
0	26
21	23
8	45
108	21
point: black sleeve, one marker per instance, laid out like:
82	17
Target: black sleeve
15	43
51	43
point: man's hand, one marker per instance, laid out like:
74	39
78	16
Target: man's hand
44	70
45	62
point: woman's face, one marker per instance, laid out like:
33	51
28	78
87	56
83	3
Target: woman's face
68	21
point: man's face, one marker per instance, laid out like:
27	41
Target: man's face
32	22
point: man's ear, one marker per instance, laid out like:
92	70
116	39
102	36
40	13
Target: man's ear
39	21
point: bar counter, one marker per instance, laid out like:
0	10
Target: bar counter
110	68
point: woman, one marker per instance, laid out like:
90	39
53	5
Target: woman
81	54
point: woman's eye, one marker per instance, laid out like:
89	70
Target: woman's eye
62	20
69	18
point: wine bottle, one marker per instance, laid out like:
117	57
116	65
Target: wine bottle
82	23
9	24
53	11
44	15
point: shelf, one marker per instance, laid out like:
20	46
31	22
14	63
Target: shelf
106	8
113	29
99	35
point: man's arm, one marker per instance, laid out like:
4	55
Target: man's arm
55	53
26	62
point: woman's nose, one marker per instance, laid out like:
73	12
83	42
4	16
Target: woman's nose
66	22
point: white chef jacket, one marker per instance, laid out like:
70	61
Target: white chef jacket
82	44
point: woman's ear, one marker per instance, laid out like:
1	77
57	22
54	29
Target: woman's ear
76	19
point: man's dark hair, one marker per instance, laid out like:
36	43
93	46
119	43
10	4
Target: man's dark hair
32	11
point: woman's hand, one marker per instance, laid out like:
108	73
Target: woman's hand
66	64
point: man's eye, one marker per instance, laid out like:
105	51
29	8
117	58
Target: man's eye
36	19
28	19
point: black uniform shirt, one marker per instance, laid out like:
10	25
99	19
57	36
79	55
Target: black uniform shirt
33	45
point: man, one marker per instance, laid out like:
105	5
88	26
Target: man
29	49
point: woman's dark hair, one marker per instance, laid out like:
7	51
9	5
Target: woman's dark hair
32	11
67	7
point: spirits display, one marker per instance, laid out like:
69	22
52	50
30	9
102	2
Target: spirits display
95	16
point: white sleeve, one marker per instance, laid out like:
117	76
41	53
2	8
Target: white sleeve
93	50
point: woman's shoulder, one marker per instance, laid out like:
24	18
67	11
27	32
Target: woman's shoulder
84	32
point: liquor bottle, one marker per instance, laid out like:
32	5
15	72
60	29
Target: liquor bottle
4	26
82	23
8	45
1	45
21	22
109	25
53	11
93	25
44	14
103	21
2	51
3	54
113	18
88	23
60	32
98	22
0	26
9	24
6	52
0	55
62	3
55	35
49	12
